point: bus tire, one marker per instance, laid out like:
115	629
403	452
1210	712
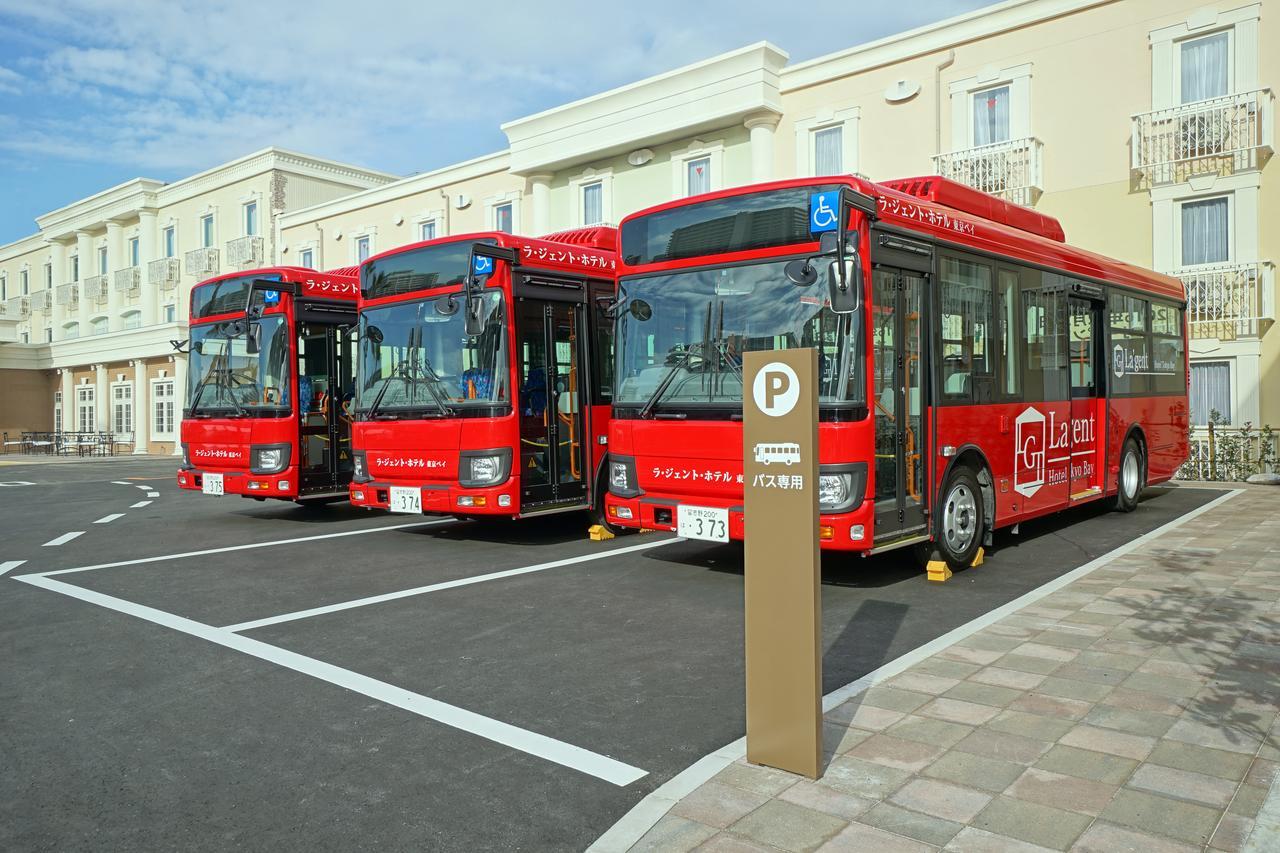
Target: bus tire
961	518
1131	477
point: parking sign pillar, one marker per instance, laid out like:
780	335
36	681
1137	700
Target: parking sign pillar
783	607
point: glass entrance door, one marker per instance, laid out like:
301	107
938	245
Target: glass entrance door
552	449
326	380
897	341
1088	411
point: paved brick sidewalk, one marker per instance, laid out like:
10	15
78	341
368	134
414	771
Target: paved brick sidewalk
1135	709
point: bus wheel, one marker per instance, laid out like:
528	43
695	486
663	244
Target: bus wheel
961	520
1126	497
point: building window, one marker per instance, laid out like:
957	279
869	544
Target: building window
306	258
828	151
593	204
26	337
1210	391
251	219
48	334
70	331
122	407
502	218
162	409
133	320
24	278
102	260
133	251
86	420
1204	72
4	287
427	230
75	267
48	276
363	247
98	326
206	230
170	242
1205	232
991	116
171	313
57	411
698	175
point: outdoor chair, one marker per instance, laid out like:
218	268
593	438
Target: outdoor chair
122	439
85	443
42	442
22	442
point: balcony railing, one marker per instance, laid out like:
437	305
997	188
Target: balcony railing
1220	136
244	251
1225	452
67	295
1229	301
43	301
127	280
201	262
1010	170
95	289
164	273
16	308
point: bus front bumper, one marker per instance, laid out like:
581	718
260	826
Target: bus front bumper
283	485
845	531
441	498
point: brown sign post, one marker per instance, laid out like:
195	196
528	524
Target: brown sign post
783	608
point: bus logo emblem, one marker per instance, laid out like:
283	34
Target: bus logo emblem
1117	359
1030	441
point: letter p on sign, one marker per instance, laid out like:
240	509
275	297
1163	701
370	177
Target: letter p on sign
776	389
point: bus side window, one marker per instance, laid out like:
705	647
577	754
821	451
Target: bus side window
1007	335
1131	341
603	366
1167	349
1045	345
968	356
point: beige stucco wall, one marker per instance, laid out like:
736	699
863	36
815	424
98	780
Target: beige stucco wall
27	401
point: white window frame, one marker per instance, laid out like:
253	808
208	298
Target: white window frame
48	275
492	203
1017	78
250	210
208	236
99	326
1231	227
24	277
170	313
71	331
169	241
57	411
355	247
125	319
578	185
158	400
86	403
697	150
4	286
428	217
807	129
118	404
104	256
423	224
1231	415
134	251
48	334
75	267
1243	191
1242	48
307	257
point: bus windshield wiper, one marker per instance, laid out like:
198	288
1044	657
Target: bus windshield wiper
372	411
433	387
682	362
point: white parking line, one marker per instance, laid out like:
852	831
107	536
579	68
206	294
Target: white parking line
107	519
532	743
11	564
437	587
63	539
139	504
121	483
153	494
144	488
246	547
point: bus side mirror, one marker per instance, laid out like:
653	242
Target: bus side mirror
844	285
473	320
253	338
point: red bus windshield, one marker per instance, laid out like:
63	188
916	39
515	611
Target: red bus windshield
225	377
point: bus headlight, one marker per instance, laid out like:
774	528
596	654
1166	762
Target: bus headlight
622	476
841	487
186	455
359	467
268	458
484	467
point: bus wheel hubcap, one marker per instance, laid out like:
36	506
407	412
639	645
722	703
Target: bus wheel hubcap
960	519
1130	474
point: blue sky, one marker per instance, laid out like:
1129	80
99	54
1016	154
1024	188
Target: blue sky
95	92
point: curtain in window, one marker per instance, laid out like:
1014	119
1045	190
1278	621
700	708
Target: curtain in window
827	151
1204	68
1204	232
991	116
592	204
699	176
502	218
1210	391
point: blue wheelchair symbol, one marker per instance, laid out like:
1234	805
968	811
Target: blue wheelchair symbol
270	297
481	265
822	211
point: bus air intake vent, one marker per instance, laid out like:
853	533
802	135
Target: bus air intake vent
957	196
604	237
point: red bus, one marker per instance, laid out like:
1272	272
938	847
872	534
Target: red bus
484	379
975	370
269	376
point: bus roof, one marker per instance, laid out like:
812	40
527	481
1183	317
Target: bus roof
952	212
580	251
332	284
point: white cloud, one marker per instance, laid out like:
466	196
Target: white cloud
168	87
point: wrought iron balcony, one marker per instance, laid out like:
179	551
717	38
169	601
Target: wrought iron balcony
43	301
164	273
1220	136
16	308
201	262
1010	170
128	280
67	295
1229	301
95	289
244	251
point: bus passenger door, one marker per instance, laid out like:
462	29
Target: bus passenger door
897	329
552	447
1088	409
324	440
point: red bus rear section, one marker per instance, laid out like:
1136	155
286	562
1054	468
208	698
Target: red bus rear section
269	380
991	372
508	419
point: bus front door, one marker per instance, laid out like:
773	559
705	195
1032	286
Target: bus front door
897	330
325	376
552	448
1088	411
